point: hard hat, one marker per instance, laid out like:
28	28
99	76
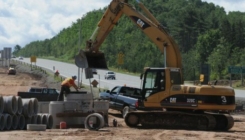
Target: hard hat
74	77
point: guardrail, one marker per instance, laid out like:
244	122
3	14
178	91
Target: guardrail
58	78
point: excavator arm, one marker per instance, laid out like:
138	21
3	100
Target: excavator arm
148	24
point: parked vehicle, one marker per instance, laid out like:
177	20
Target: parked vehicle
41	93
122	98
12	69
20	58
110	75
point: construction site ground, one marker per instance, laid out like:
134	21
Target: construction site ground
27	77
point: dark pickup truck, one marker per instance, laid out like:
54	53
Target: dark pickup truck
42	94
122	98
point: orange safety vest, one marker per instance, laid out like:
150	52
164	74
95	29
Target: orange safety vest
68	82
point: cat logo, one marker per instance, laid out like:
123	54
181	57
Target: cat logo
140	23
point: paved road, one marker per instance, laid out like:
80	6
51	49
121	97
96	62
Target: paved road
67	70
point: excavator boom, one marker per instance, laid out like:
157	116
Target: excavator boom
148	24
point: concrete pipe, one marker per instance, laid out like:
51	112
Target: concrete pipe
34	119
39	119
1	104
63	106
14	122
7	121
43	107
43	119
27	120
21	122
54	108
1	122
30	120
85	101
94	121
19	105
27	108
35	105
49	121
10	105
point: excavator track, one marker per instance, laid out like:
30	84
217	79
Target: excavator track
224	122
179	120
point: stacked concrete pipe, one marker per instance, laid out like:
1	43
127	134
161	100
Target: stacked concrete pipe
21	122
15	122
16	113
39	120
7	121
1	104
19	105
35	105
43	118
10	105
27	108
49	121
2	122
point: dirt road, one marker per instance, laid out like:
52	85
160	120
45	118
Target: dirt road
10	84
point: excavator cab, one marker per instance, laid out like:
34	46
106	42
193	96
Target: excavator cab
155	80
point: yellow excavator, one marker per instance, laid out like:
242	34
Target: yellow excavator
166	102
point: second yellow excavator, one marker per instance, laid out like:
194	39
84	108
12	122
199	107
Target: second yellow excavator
166	102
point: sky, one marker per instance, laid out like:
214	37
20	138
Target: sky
24	21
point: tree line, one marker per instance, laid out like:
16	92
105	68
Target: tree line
204	32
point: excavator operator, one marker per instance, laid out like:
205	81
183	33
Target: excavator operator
65	87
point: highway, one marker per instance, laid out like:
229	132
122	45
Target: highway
67	70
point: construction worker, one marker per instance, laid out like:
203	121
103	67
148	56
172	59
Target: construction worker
56	73
65	87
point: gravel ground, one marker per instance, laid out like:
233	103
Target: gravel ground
26	77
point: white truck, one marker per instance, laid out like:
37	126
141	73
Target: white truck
110	75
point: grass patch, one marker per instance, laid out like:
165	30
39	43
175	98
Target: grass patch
238	85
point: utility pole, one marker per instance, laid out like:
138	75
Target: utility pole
79	47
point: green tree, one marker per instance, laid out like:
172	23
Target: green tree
218	59
206	43
17	48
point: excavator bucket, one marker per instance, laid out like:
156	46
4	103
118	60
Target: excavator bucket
91	60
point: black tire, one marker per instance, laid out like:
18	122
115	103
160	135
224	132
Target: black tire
125	111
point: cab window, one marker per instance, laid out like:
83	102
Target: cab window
115	90
154	82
